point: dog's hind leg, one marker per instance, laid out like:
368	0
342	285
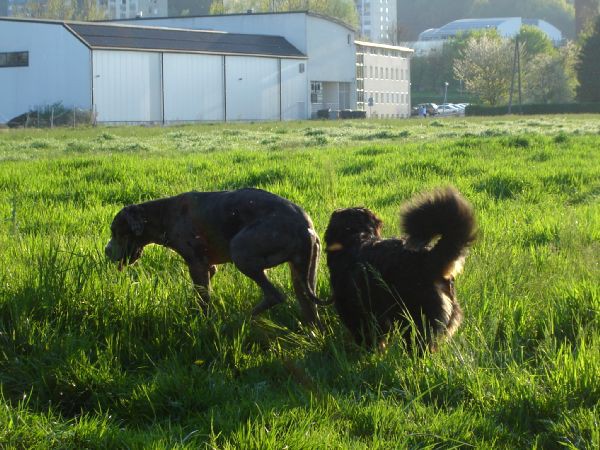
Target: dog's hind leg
304	278
301	288
272	296
252	252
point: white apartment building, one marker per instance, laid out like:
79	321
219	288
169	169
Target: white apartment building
383	80
378	20
126	9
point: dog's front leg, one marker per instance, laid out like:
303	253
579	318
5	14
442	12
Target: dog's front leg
201	274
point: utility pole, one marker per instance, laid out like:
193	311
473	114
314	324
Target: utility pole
445	91
519	76
516	69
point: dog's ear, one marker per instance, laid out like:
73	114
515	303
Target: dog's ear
376	223
135	219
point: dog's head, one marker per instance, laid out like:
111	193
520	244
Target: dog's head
350	226
127	228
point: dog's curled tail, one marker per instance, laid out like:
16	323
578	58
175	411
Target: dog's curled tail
442	214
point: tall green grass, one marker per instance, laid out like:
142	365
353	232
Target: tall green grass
95	358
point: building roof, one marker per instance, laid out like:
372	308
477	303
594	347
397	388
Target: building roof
474	24
461	25
385	46
132	37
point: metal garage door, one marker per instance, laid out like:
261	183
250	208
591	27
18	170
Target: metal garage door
252	88
127	86
193	87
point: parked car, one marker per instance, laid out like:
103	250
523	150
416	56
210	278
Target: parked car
449	109
430	108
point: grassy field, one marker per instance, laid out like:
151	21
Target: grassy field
95	358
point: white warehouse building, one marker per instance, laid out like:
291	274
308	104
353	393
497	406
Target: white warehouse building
138	74
327	43
233	67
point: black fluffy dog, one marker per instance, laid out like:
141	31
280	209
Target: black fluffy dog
381	283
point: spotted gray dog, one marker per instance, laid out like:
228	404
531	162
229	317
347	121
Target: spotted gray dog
252	228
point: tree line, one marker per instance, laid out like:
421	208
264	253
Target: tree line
344	10
481	64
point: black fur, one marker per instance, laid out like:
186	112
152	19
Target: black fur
252	228
381	283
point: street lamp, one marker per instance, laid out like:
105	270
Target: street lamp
445	91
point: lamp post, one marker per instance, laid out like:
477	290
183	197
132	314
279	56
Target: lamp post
445	91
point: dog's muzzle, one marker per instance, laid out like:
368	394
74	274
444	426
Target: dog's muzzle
115	254
110	252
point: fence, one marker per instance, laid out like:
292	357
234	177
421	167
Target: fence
51	116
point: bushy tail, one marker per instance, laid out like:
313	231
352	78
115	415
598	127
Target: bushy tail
443	213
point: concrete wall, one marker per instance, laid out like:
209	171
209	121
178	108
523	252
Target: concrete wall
386	79
294	97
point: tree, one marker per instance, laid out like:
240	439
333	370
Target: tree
585	11
485	66
588	67
550	77
548	73
535	41
559	13
64	10
344	10
189	7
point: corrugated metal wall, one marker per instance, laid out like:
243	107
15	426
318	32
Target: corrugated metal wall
193	87
132	86
252	88
127	86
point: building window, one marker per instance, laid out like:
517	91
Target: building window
316	92
14	59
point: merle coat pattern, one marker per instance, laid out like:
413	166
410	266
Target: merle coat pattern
252	228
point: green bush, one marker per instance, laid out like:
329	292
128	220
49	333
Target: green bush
554	108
